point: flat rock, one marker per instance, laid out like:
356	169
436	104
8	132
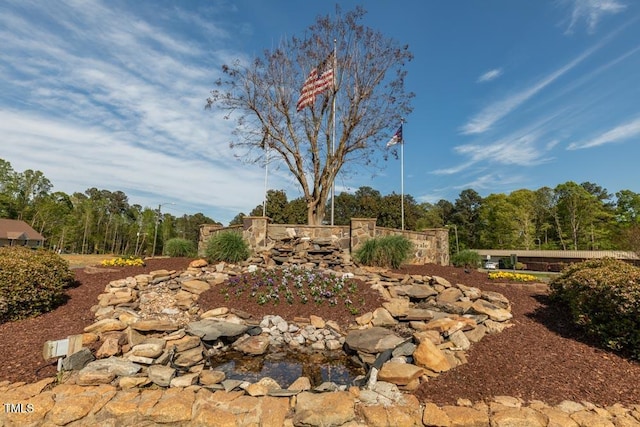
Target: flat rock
195	286
300	384
106	325
151	349
87	377
418	291
185	343
515	417
184	380
198	263
441	281
382	317
449	295
399	373
397	307
431	357
496	298
161	375
189	357
215	312
120	367
154	325
211	377
449	325
255	345
373	340
313	408
77	360
418	314
464	416
494	312
212	329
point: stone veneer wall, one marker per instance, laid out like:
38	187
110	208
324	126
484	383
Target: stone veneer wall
430	246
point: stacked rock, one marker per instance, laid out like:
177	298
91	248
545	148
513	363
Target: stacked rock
149	329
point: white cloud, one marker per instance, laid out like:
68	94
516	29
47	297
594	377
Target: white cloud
492	182
77	157
118	103
492	113
619	133
490	75
526	146
591	12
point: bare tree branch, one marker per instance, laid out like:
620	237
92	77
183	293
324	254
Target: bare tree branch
369	95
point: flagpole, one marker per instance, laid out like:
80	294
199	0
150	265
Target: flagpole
333	138
402	176
266	175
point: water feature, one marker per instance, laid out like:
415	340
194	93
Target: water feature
286	366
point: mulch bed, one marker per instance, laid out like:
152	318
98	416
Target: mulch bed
542	357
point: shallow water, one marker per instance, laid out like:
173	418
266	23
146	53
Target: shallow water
286	367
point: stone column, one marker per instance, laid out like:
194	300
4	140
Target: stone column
442	245
206	230
255	231
362	229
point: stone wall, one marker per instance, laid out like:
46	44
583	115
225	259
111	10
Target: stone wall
430	246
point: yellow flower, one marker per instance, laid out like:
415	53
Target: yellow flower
514	277
123	262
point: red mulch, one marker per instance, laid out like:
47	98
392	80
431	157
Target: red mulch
542	357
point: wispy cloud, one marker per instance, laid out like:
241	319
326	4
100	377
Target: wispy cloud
619	133
488	116
526	146
120	99
591	12
492	182
490	75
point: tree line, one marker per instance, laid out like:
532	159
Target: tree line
93	222
570	216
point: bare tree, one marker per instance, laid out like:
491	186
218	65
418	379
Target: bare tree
369	95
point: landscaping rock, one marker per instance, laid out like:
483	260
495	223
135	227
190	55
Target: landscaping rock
373	340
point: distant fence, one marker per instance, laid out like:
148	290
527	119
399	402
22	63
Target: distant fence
553	260
430	246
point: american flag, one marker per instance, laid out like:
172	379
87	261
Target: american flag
396	138
319	80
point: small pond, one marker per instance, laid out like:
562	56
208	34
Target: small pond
287	366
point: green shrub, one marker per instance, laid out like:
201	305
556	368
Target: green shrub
603	296
388	251
32	282
179	247
467	258
227	246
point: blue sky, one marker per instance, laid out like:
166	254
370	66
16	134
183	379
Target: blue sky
509	95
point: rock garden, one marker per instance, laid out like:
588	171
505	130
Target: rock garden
175	330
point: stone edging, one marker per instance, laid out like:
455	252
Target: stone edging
73	405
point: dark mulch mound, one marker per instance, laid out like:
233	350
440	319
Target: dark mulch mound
542	357
364	299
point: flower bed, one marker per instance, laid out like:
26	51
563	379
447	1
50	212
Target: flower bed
293	285
130	261
512	277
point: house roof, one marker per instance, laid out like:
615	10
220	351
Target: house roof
13	229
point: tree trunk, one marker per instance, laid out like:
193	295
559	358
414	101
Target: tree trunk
315	213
